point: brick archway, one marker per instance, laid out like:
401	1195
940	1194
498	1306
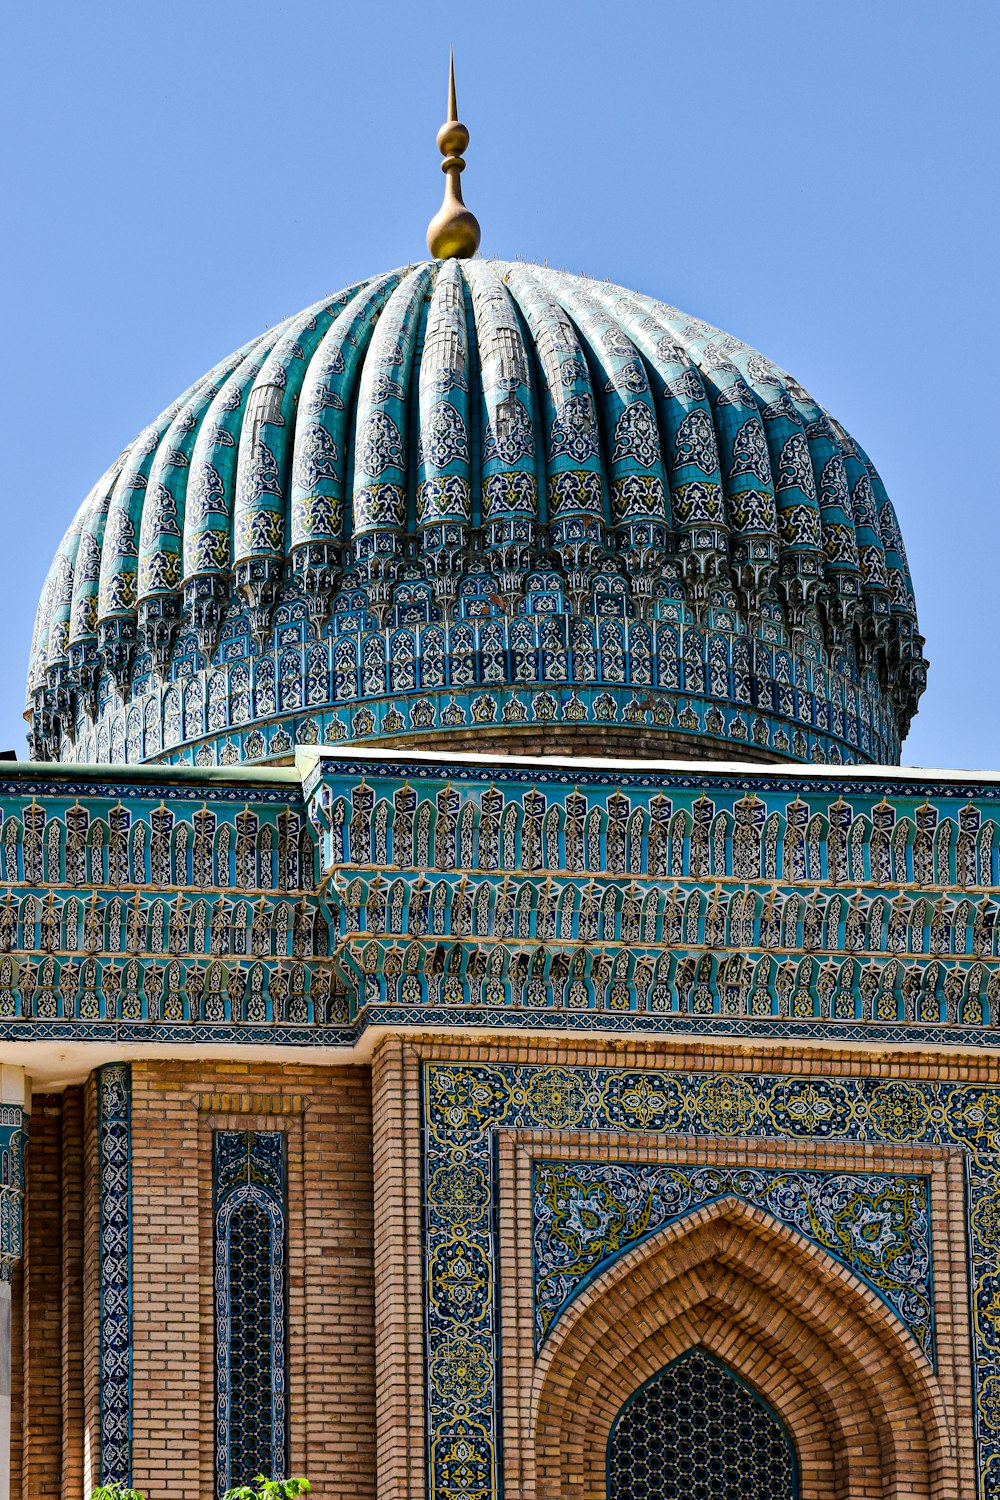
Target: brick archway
862	1402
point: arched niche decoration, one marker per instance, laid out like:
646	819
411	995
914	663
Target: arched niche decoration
695	1429
861	1401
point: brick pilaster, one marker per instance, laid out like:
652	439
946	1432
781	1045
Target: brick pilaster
72	1295
399	1272
17	1383
326	1113
41	1457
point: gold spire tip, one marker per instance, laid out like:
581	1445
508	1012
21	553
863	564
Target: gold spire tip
454	229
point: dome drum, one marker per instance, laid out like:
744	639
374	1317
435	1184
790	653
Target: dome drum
461	490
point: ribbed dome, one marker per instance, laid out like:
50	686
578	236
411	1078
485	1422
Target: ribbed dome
482	498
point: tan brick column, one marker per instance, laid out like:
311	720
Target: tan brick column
398	1272
72	1295
15	1089
42	1442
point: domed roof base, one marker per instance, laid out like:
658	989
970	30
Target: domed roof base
596	741
471	496
334	692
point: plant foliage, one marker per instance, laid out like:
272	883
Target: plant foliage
270	1489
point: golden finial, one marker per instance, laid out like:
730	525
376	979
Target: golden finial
453	229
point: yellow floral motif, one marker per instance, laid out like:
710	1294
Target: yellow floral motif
989	1402
462	1275
974	1115
459	1193
727	1105
988	1312
810	1108
643	1101
461	1371
898	1111
556	1098
462	1467
467	1096
986	1220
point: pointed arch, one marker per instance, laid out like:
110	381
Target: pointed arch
861	1400
695	1421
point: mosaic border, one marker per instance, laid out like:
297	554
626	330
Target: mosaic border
464	1104
114	1146
457	1020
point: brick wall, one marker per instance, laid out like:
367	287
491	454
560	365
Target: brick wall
47	1352
610	740
326	1114
71	1277
42	1311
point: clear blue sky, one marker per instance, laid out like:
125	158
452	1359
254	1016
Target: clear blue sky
819	179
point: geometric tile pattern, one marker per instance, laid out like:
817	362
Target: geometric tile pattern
114	1146
585	1214
250	1299
696	1432
465	1104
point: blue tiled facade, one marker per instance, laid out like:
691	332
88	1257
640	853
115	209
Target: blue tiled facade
466	1105
300	908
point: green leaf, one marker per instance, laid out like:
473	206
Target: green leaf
264	1489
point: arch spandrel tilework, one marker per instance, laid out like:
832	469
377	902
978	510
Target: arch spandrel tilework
465	1105
585	1214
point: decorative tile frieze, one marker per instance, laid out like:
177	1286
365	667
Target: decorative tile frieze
563	896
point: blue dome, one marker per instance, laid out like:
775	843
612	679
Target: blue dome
472	499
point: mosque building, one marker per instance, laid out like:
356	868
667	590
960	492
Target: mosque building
484	1012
